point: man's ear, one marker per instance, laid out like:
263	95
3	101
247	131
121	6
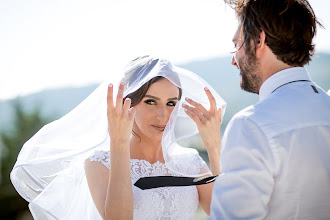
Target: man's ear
261	45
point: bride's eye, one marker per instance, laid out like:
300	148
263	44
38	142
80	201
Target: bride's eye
150	102
171	103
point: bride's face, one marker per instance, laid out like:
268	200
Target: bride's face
155	108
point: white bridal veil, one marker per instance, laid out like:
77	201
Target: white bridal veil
49	171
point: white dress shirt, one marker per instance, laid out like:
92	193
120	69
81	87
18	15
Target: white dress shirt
275	157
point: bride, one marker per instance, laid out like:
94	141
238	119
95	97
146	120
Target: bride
125	136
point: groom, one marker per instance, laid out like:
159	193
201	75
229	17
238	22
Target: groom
276	154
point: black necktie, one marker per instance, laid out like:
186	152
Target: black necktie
168	181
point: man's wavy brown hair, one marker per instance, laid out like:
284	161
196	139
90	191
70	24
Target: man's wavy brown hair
289	25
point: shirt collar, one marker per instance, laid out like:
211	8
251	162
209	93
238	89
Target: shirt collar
280	78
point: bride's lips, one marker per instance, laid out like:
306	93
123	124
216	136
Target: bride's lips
158	127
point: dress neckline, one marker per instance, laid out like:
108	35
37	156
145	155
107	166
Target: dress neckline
141	160
157	162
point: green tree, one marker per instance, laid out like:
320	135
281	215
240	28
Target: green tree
25	125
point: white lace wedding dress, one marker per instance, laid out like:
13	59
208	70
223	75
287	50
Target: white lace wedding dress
159	203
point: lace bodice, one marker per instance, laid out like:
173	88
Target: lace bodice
160	203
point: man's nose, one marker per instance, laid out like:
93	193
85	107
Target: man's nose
233	61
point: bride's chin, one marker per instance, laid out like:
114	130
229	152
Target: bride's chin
153	136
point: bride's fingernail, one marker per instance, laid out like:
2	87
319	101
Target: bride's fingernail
206	89
184	105
187	98
122	83
110	85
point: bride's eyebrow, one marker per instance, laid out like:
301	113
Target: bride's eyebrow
154	97
150	96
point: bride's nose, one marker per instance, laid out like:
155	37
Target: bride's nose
162	113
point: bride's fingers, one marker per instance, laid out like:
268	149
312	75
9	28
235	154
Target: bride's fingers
131	113
110	97
126	106
119	100
195	112
194	117
199	106
219	114
213	103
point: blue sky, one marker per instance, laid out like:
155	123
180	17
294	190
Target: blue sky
48	44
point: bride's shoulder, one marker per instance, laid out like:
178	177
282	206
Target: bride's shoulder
98	156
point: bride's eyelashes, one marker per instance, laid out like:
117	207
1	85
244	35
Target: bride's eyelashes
153	102
171	103
150	102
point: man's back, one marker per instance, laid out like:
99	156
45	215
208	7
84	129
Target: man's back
296	119
275	158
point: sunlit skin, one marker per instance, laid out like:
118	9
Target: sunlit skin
250	78
257	68
238	49
152	115
208	122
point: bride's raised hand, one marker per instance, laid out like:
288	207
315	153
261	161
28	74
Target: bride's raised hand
207	121
120	117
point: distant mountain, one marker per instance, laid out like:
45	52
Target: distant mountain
218	72
54	103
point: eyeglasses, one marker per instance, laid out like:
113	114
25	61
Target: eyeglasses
238	46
